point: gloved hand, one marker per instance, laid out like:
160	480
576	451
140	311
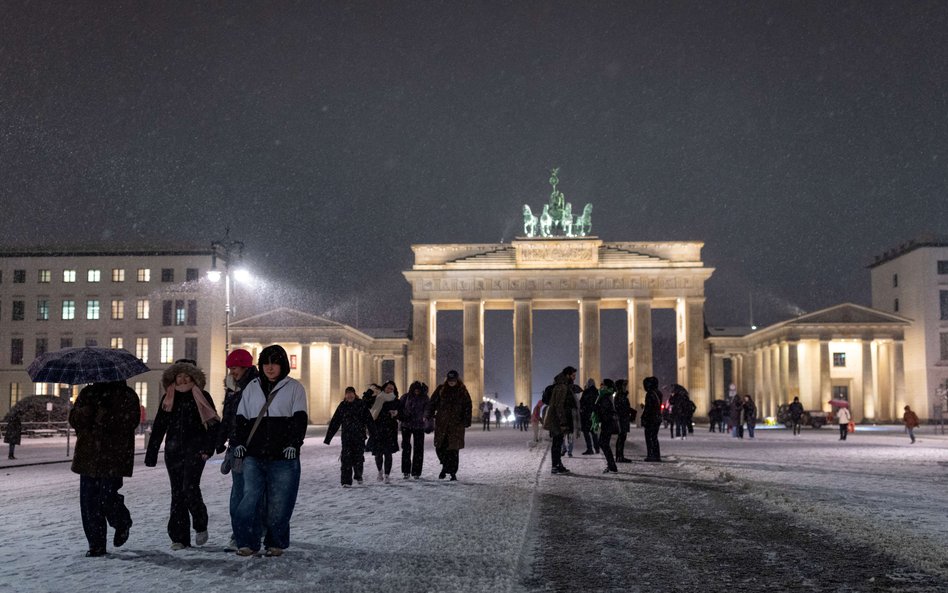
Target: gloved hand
289	452
240	451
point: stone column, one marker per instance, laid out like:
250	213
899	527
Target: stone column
473	376
767	374
870	404
336	384
639	316
898	379
523	351
590	365
313	409
376	369
884	381
826	384
422	361
691	338
793	370
400	378
717	386
749	372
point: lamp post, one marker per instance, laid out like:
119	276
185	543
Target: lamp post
228	250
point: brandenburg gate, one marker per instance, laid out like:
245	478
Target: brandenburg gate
579	273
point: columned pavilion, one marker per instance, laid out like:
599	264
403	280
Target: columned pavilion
579	274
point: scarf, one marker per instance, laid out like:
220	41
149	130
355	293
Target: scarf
205	409
380	401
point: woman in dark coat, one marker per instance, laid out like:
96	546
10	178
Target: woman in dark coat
652	419
12	432
737	416
105	417
750	414
384	409
414	404
624	416
353	417
587	405
450	408
187	417
608	423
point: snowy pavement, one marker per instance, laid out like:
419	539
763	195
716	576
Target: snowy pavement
784	513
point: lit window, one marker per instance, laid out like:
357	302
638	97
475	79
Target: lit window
40	388
69	309
141	309
15	393
69	275
141	388
116	343
167	351
180	313
19	276
118	274
19	310
141	349
144	275
118	309
44	276
42	310
839	359
94	276
92	309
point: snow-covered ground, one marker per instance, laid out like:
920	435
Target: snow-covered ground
805	513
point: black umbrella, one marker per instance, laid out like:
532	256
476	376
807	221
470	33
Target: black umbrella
75	366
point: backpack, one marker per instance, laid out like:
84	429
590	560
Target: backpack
547	394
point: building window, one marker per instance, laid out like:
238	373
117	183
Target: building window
166	312
191	275
91	342
118	309
141	388
944	346
19	310
65	342
180	315
16	351
69	275
94	276
192	312
839	359
191	348
141	349
69	310
40	388
943	266
118	274
167	274
19	276
92	309
144	275
42	346
895	305
895	280
943	298
116	343
42	310
166	355
141	309
44	276
15	393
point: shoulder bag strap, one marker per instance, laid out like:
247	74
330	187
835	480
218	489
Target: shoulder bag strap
263	411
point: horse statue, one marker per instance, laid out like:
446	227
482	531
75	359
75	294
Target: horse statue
566	220
546	221
583	223
529	222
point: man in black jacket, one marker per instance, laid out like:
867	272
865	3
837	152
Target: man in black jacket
652	418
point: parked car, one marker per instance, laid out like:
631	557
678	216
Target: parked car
814	418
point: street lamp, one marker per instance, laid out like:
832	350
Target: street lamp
229	250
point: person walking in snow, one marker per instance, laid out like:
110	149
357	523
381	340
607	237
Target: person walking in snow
507	413
384	410
910	419
355	420
556	421
105	417
608	423
522	417
652	418
450	409
497	416
750	414
271	427
624	417
485	409
411	414
12	432
844	417
187	422
240	372
737	416
796	415
587	405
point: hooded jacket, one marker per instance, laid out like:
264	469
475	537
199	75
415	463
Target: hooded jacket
652	412
284	424
556	420
414	405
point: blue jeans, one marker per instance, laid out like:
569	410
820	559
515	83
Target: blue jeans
278	481
236	494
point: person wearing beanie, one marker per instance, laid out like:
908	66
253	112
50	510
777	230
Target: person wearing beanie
270	428
187	422
451	410
652	418
240	372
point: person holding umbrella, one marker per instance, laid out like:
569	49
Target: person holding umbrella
187	417
104	417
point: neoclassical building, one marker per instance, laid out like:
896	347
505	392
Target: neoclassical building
845	351
585	275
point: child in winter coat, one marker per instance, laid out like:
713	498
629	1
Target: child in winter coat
353	416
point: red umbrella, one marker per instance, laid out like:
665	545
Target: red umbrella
839	403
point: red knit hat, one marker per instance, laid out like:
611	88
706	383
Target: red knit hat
239	358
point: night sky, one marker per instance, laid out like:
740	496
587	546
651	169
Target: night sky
796	139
